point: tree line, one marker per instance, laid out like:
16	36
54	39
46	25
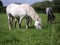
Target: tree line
39	6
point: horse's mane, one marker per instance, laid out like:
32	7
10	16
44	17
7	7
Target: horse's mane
33	13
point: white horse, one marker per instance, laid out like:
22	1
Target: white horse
20	11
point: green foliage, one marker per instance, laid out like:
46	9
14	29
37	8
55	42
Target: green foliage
1	6
41	6
56	5
48	35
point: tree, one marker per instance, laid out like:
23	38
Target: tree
41	6
56	5
1	6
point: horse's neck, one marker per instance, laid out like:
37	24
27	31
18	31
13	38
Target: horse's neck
31	12
35	17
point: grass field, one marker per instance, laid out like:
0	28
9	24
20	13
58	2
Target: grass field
48	35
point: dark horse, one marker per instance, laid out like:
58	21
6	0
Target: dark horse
50	15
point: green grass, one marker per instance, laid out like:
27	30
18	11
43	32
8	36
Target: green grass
48	35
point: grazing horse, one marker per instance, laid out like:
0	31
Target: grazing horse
21	11
50	14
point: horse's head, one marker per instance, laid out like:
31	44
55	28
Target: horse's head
38	24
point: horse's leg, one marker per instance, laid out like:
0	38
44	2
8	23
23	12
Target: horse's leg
14	22
51	18
9	22
48	18
27	22
30	21
20	20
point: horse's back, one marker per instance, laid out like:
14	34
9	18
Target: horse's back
15	10
10	7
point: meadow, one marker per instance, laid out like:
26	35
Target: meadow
48	35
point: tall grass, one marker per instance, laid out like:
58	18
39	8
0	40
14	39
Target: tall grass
48	35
